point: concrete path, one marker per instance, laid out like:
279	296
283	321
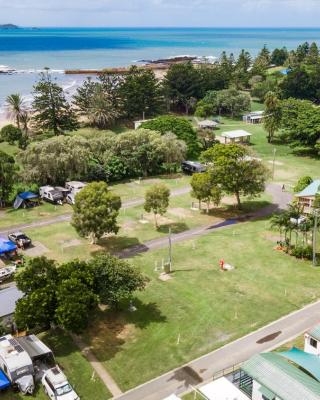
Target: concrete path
204	368
67	217
98	367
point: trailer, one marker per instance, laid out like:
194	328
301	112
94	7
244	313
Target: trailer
17	365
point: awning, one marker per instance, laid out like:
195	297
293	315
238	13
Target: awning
309	362
28	195
4	381
6	246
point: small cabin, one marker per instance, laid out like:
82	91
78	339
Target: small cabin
312	341
255	117
237	136
307	196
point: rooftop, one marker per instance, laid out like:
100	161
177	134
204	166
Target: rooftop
34	346
311	190
208	123
309	362
8	299
315	332
14	355
236	134
222	389
280	377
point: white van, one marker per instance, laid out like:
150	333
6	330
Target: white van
50	194
75	186
57	386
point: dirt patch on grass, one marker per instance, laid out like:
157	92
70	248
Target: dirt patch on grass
271	236
180	212
36	250
162	220
71	243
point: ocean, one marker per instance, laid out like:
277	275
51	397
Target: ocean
29	50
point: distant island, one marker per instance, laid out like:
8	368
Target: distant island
8	26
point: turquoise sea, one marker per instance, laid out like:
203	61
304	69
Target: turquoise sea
29	50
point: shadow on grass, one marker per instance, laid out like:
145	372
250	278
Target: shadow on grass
176	227
110	330
115	244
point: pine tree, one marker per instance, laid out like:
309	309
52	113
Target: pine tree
52	112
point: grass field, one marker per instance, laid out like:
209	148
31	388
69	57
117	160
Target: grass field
63	243
77	369
127	191
200	305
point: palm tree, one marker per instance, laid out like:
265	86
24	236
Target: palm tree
272	119
16	107
102	112
25	119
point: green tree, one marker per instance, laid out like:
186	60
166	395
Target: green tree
115	279
140	93
95	211
37	281
260	89
272	115
10	133
52	112
8	174
157	201
55	160
174	151
241	74
234	172
261	62
279	56
101	112
16	107
313	54
302	183
201	185
182	84
232	102
82	100
301	122
75	302
181	127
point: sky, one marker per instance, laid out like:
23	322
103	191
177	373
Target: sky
207	13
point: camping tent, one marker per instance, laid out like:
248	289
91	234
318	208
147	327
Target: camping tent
6	246
4	381
23	198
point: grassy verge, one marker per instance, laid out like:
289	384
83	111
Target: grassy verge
77	369
201	308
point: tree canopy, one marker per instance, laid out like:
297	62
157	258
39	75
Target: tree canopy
8	173
157	201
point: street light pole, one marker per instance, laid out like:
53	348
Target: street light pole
170	250
314	244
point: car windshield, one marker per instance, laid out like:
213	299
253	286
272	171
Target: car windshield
63	389
19	237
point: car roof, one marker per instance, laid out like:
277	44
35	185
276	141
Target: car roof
18	233
56	376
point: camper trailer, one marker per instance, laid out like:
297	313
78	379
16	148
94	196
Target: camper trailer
17	365
74	186
50	194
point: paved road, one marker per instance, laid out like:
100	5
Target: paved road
67	217
203	369
280	201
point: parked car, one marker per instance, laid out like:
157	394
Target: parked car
56	385
20	239
7	272
50	194
70	199
192	167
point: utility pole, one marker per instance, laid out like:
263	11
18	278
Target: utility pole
274	162
314	244
170	251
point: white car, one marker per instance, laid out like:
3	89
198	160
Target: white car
57	386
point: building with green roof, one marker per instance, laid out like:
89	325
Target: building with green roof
272	376
307	196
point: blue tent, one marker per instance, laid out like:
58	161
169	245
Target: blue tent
23	197
6	246
4	381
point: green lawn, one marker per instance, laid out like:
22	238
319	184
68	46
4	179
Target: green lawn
201	308
288	167
63	243
77	369
127	191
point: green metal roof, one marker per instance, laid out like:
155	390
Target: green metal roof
315	332
310	190
308	362
282	378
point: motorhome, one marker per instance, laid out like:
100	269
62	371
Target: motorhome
74	186
16	363
50	194
191	167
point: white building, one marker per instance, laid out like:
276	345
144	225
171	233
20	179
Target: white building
254	117
312	341
237	136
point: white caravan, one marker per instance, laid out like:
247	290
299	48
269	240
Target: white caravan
16	363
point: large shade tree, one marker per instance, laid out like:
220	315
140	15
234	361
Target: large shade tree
95	211
232	168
